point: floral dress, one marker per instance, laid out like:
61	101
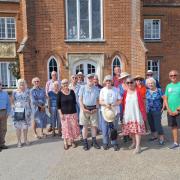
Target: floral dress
38	98
22	100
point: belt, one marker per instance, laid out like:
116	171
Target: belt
2	109
90	108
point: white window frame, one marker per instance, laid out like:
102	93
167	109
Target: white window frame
151	66
52	57
8	75
90	22
151	21
112	67
6	29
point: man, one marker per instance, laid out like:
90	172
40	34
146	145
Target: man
150	74
88	99
5	109
117	72
96	82
49	87
172	102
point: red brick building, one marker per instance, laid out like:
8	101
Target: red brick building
91	36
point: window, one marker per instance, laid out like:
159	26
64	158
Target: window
52	66
8	80
152	29
154	66
84	20
7	28
116	63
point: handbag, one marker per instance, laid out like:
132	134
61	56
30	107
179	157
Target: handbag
19	114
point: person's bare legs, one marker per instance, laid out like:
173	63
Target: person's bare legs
138	142
25	132
175	134
34	129
133	145
18	134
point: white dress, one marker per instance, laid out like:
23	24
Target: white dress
133	122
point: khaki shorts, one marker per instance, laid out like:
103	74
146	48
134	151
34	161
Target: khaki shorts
88	119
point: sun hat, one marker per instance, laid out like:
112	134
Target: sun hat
80	74
138	77
64	81
107	77
149	72
124	75
108	114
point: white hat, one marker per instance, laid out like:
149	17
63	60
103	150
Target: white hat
80	74
124	75
64	81
108	77
108	114
89	75
149	72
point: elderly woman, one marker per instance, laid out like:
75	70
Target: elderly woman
109	98
154	104
38	100
21	111
52	104
134	115
66	103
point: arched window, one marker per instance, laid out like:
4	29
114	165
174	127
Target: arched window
52	66
116	63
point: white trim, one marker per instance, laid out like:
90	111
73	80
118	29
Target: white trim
151	21
6	34
58	67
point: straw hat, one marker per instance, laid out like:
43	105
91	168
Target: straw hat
138	77
108	114
107	77
124	75
149	72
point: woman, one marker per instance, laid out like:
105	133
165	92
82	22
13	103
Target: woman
134	115
140	86
38	100
154	105
66	103
21	111
109	98
52	104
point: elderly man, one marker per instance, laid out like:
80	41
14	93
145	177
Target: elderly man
80	78
149	74
49	87
5	109
117	72
88	99
172	102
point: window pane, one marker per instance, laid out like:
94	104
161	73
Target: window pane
91	69
52	66
4	77
2	28
10	28
84	19
80	68
96	19
72	19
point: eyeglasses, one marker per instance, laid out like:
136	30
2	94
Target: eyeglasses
74	77
173	75
36	81
130	82
149	75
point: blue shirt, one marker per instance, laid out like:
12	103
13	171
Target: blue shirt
5	101
52	98
89	95
154	100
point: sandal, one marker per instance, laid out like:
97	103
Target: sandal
37	137
74	145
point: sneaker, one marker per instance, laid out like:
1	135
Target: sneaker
86	147
116	147
174	146
19	145
105	146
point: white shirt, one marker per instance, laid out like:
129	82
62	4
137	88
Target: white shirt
110	96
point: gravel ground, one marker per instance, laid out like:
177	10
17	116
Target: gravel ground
46	159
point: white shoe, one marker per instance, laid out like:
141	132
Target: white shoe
19	145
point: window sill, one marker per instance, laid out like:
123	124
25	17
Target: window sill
152	40
8	40
85	41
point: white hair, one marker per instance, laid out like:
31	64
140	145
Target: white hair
151	79
21	81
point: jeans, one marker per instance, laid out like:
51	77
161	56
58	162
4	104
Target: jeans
106	130
154	119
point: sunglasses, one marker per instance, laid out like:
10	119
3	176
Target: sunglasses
74	77
130	82
173	75
149	75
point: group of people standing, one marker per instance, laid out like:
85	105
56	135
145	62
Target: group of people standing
125	103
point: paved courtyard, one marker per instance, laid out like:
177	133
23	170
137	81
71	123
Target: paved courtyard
46	159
